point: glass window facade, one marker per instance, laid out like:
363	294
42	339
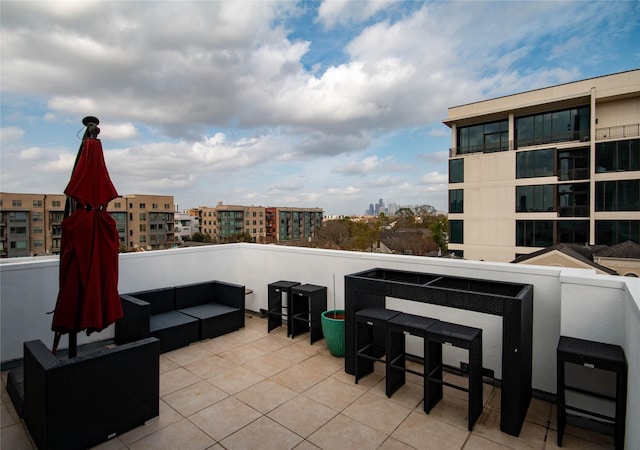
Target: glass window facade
456	201
537	198
486	137
573	231
534	233
456	231
612	232
535	163
618	156
557	126
621	195
456	170
573	164
573	200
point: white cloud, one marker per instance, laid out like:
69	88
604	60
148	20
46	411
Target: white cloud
344	12
30	154
219	104
9	135
118	132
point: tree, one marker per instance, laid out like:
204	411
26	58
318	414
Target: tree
201	237
405	218
439	228
332	234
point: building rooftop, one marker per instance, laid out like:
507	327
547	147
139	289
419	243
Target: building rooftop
253	389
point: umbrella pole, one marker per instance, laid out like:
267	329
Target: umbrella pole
73	345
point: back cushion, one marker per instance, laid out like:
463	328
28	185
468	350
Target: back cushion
160	300
194	294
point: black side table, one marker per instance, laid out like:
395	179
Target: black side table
307	304
276	309
593	355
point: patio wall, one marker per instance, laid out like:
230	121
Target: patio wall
571	302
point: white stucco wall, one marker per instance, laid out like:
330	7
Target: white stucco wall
571	302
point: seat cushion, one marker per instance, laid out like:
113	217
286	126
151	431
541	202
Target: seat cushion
168	320
208	310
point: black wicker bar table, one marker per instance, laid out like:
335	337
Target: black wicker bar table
512	301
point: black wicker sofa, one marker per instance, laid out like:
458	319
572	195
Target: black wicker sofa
183	314
80	402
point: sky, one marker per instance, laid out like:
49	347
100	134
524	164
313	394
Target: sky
274	103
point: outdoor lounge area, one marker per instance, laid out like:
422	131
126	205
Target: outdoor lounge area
253	388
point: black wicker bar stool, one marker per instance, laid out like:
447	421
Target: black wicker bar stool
401	325
370	338
462	337
605	361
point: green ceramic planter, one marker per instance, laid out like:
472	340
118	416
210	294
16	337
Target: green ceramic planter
333	330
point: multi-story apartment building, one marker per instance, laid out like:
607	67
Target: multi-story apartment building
548	166
264	225
185	225
150	221
296	223
31	224
117	209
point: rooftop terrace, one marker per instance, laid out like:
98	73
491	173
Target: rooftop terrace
257	389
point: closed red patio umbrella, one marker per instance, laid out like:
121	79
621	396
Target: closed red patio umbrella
88	297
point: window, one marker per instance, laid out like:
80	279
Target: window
37	203
611	232
38	230
573	231
557	126
538	198
167	206
621	195
18	231
486	137
618	156
573	164
573	200
38	243
456	170
456	200
154	206
19	245
18	216
142	216
535	163
37	217
534	233
55	203
16	203
456	232
142	206
117	205
143	228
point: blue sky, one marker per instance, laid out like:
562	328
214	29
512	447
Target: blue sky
300	104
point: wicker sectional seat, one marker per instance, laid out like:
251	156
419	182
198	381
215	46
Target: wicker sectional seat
80	402
180	315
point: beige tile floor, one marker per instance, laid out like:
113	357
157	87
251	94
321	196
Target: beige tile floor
254	390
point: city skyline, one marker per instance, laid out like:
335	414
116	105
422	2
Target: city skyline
301	104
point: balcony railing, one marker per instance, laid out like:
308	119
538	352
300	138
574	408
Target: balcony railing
619	132
569	302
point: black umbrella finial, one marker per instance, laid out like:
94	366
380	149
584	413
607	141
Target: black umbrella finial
92	126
